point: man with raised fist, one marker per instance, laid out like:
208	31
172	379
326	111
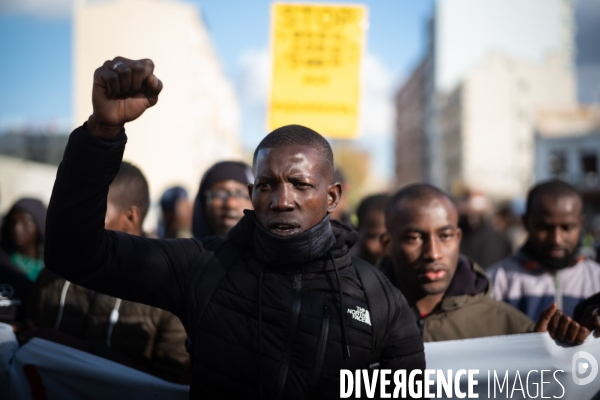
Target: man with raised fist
274	311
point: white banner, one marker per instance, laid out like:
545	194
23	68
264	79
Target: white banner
517	366
45	370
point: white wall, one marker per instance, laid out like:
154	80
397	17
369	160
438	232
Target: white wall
195	122
501	99
20	178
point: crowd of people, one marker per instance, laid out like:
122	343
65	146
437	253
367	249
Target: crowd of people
265	268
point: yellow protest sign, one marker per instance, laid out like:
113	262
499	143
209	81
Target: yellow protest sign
316	53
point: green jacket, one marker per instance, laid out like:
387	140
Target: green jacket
467	311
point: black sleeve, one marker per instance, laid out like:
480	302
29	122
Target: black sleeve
78	247
584	309
403	347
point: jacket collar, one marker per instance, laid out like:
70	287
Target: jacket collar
345	237
469	287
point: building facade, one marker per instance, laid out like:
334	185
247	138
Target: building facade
410	147
490	68
489	123
567	147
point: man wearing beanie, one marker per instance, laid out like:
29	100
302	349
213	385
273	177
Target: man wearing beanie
221	199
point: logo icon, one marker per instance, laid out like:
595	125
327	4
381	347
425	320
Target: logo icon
583	362
360	314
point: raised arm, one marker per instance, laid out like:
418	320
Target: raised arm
77	245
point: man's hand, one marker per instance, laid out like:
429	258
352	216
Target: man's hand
123	90
560	326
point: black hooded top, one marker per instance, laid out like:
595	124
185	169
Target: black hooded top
37	209
237	171
281	328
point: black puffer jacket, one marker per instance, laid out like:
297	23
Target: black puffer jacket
301	331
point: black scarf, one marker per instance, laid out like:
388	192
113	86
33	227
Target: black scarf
272	250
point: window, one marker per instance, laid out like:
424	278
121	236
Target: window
558	163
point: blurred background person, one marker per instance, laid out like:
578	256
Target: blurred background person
480	242
222	198
22	236
176	214
548	267
342	212
510	224
371	225
21	255
134	334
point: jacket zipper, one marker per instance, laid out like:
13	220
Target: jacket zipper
558	296
287	352
314	380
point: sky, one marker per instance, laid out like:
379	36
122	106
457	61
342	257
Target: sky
36	66
36	87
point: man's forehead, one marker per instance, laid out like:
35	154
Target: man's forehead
439	210
291	158
556	205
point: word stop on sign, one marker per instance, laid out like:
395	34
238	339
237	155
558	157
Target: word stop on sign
316	54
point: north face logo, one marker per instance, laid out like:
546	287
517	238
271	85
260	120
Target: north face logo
360	314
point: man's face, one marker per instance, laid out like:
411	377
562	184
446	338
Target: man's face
371	230
424	244
225	204
292	191
554	225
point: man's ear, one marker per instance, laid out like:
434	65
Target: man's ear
459	234
386	244
132	220
250	190
334	195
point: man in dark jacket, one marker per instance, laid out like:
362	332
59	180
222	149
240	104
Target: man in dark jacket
449	295
134	334
481	242
221	199
283	321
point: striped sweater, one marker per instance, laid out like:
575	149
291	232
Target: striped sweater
522	282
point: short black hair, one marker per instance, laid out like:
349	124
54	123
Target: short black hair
295	135
553	188
415	192
130	188
375	202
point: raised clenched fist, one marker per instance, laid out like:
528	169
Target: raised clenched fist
123	90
